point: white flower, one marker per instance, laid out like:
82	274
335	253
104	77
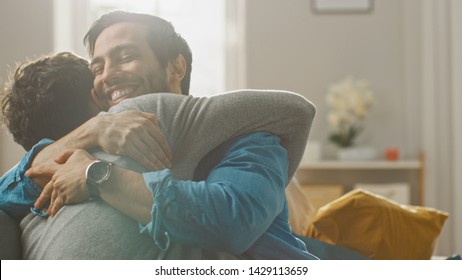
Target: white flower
348	101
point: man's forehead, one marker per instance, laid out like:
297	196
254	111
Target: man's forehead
120	33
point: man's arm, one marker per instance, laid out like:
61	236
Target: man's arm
18	192
233	207
128	133
125	190
227	212
184	119
195	126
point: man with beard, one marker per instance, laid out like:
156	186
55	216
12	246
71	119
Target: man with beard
236	204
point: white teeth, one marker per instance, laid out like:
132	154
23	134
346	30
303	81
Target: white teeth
117	94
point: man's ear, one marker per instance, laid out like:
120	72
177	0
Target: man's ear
176	70
179	67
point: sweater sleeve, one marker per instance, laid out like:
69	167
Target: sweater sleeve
194	126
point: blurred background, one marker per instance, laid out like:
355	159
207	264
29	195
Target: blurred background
409	52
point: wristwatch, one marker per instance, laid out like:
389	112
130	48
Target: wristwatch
97	173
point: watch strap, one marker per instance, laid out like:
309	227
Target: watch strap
94	191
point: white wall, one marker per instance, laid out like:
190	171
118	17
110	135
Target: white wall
291	47
26	29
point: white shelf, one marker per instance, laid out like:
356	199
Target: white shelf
348	173
363	165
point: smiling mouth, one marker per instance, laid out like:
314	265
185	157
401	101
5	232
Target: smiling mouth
121	93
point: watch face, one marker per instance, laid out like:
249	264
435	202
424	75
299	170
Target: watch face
98	172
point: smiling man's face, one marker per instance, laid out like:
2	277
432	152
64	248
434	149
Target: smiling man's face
124	65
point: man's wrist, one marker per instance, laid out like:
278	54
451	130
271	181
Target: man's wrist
89	136
97	174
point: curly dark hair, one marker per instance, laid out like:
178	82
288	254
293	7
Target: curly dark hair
164	41
46	98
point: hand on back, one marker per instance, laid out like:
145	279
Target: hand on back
137	135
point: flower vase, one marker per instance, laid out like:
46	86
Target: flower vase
355	153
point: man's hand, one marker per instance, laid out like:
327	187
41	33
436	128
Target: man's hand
137	135
68	183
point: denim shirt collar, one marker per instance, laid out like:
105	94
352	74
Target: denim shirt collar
25	162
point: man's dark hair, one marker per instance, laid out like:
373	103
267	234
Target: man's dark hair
164	41
47	98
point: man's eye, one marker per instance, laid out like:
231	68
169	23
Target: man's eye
97	70
127	57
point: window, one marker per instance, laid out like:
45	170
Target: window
203	23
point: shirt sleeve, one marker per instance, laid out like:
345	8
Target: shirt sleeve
17	191
232	208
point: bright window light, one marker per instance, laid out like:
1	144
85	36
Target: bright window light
201	22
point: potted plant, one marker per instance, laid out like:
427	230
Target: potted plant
348	102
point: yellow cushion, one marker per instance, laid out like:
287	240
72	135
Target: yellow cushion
377	227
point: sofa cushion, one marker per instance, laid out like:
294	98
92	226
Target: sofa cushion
378	227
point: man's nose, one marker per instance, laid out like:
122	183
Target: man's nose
110	74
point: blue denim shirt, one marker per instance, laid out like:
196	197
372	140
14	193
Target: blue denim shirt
17	191
240	207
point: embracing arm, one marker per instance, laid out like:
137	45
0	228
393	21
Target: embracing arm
227	212
230	209
18	192
129	133
194	126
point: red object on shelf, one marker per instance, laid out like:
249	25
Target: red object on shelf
392	154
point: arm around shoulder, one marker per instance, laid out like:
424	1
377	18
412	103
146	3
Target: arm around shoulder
222	117
286	114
